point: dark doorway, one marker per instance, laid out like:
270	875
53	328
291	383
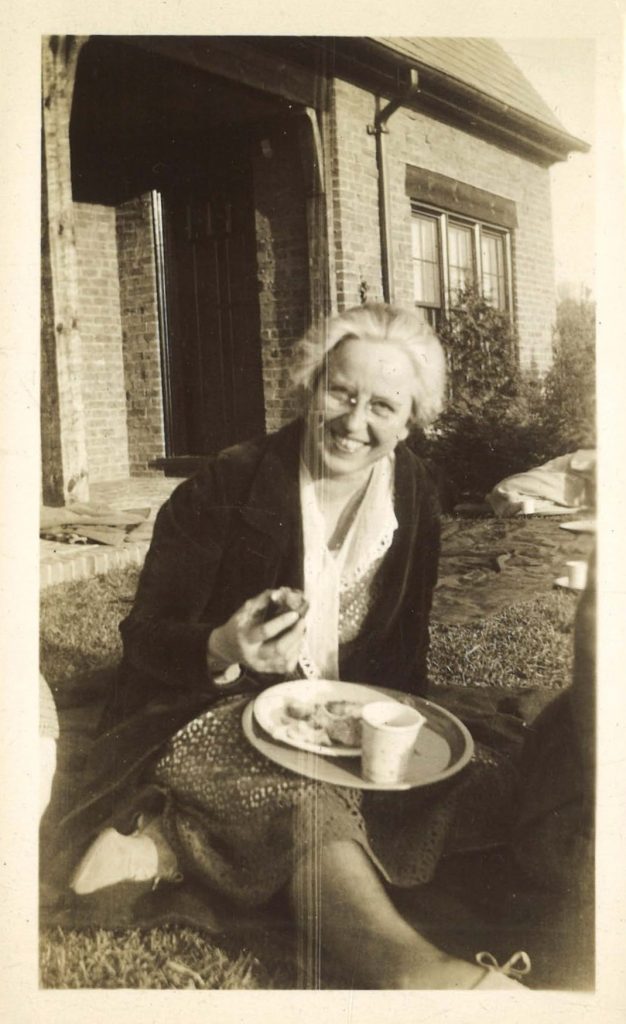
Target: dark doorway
144	122
211	348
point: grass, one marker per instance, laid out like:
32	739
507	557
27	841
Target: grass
79	623
528	644
167	957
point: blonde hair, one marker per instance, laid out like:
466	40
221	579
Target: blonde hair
381	323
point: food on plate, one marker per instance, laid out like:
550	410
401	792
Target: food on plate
343	708
299	709
345	731
324	723
303	731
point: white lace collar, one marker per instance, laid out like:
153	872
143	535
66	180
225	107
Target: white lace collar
326	574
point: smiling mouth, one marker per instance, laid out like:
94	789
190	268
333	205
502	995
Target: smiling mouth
348	445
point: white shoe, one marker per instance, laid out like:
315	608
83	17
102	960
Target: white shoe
496	977
114	857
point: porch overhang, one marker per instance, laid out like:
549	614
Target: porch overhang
239	61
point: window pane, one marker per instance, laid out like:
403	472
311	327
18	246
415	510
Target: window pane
460	256
494	278
426	279
428	247
425	232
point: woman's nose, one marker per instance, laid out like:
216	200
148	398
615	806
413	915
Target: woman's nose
355	417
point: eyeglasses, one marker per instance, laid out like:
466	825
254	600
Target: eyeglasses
340	399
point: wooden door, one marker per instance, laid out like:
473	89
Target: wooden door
213	348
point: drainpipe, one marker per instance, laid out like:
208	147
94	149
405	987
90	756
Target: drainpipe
379	130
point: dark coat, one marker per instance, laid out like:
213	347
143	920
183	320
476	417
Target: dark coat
225	535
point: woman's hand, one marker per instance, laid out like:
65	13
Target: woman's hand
247	640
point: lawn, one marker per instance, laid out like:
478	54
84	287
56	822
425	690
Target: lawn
165	958
528	644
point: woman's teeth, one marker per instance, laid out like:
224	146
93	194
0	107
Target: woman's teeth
348	445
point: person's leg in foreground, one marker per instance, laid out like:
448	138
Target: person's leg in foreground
344	914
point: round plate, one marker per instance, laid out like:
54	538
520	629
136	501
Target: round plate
269	706
444	746
563	581
580	526
548	509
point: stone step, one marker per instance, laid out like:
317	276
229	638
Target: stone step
90	560
63	563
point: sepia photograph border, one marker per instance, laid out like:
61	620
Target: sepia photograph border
23	29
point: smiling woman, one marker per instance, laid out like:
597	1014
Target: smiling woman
362	405
335	508
395	329
367	377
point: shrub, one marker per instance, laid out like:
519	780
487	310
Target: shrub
481	349
490	427
500	421
569	414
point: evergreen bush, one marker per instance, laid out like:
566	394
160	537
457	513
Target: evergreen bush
499	421
569	414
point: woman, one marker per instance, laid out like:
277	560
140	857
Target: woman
337	506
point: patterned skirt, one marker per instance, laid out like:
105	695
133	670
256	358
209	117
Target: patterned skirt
240	824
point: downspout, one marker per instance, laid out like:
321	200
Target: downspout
379	129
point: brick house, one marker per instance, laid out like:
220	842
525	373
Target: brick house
205	199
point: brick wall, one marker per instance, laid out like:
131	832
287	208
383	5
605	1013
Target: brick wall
100	328
354	196
423	142
51	455
282	260
65	474
140	332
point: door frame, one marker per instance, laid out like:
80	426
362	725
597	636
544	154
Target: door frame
178	446
163	319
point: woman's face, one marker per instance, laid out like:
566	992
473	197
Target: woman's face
361	406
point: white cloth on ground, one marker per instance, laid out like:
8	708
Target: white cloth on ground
560	484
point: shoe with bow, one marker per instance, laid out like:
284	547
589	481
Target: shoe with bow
507	976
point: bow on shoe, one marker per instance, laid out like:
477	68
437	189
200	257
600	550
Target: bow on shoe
516	966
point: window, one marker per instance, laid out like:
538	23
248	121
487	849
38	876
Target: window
452	252
493	257
426	261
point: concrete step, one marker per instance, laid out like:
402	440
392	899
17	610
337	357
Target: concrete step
83	561
64	563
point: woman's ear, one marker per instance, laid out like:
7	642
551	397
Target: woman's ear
404	432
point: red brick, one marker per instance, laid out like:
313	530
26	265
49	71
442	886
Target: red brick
101	336
141	351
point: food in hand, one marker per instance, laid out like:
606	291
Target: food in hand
326	724
285	599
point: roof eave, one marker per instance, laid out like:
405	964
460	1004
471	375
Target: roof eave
442	91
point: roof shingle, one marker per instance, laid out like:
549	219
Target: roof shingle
482	65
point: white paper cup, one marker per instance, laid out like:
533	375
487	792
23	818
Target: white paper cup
389	734
528	506
577	574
